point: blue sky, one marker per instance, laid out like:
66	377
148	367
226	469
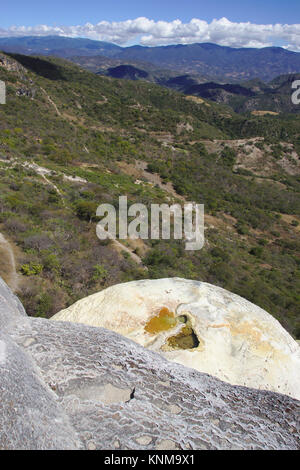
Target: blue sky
68	14
32	12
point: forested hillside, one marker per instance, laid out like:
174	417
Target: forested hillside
70	140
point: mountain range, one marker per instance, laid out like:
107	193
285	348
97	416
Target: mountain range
206	59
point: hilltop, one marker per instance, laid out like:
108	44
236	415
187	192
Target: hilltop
71	139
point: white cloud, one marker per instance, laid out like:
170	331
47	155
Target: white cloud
151	33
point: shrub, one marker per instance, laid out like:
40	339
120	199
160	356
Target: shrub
228	156
256	251
15	225
31	269
100	273
242	229
219	254
51	263
39	242
44	304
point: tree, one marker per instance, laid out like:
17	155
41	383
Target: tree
86	210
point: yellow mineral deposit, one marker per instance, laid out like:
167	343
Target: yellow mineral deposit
164	320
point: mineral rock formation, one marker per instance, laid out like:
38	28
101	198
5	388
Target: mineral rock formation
200	326
72	386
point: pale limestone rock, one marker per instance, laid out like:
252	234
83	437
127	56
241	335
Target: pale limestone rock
144	440
175	409
166	445
107	394
238	342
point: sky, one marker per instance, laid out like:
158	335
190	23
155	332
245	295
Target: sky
236	23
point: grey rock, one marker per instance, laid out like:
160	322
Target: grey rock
11	308
68	385
30	415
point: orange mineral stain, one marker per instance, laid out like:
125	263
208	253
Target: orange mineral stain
163	321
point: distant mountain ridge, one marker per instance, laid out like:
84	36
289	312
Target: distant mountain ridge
57	46
217	62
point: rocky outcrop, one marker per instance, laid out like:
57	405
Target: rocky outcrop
67	385
10	64
200	326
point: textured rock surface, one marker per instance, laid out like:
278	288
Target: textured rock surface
30	416
10	307
236	341
67	385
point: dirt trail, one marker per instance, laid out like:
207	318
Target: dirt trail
51	102
8	264
41	171
120	247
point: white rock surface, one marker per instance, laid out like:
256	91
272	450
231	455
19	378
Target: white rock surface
238	342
